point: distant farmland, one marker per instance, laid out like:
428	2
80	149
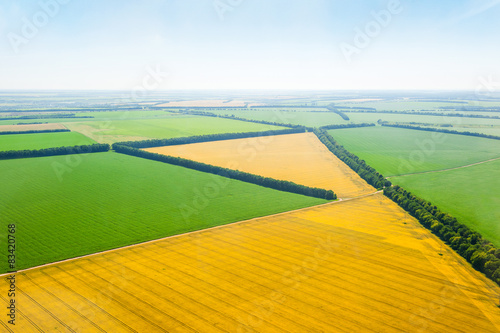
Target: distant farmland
65	208
352	266
123	130
31	127
300	158
287	116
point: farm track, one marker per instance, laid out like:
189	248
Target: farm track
340	200
435	171
359	264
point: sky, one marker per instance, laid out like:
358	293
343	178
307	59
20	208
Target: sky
248	44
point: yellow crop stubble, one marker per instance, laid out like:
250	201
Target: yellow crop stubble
300	158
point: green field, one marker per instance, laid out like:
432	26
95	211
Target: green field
470	194
368	117
395	151
122	130
42	140
66	206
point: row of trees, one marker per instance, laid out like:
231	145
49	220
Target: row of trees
35	131
340	113
46	116
427	113
330	127
91	109
352	107
286	106
233	117
84	149
205	138
432	129
365	171
472	108
483	255
281	185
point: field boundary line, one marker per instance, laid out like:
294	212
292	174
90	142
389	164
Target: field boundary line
460	167
340	200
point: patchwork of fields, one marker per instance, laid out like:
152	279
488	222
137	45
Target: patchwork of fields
179	126
300	158
204	103
470	194
165	248
299	117
352	266
67	206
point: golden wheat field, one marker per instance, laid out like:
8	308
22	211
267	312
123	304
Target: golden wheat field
350	266
300	158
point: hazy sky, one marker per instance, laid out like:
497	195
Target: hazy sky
248	44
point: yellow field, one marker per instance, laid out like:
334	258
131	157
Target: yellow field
351	266
300	158
31	127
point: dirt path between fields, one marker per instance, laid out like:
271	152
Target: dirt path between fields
460	167
340	200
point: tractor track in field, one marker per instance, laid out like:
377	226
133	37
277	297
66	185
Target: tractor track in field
460	167
340	200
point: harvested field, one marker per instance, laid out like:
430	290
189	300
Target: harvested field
31	127
300	158
353	266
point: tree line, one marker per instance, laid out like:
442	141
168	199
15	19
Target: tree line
287	106
369	174
432	129
483	255
35	131
281	185
439	114
233	117
46	116
352	107
330	127
340	113
205	138
75	109
83	149
472	108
